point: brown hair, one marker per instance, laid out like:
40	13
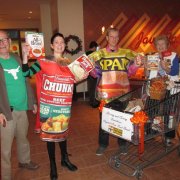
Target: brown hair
56	35
161	37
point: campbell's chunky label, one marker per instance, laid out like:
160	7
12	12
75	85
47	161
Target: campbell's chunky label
36	42
55	104
81	67
55	99
56	90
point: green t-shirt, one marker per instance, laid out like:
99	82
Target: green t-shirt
15	84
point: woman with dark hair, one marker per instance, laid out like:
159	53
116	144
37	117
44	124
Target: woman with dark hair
54	90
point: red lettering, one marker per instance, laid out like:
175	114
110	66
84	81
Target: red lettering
139	40
149	40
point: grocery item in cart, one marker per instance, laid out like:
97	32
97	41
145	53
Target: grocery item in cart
158	124
135	105
157	89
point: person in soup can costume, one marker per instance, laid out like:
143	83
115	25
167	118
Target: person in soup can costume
55	78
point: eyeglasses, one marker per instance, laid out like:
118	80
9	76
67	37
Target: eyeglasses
4	40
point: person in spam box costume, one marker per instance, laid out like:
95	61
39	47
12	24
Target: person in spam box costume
113	66
55	78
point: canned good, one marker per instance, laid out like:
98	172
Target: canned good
171	122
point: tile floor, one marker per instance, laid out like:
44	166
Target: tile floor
82	144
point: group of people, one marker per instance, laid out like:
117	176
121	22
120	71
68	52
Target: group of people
113	66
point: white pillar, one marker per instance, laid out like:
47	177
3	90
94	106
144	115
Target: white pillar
46	26
70	20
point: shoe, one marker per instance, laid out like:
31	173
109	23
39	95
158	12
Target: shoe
100	151
123	149
31	165
168	142
94	104
37	131
53	170
65	162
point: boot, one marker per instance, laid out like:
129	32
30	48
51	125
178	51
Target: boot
66	163
64	156
51	153
53	171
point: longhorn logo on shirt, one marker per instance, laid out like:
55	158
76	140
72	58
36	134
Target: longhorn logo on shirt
13	72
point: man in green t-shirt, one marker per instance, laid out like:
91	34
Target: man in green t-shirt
15	99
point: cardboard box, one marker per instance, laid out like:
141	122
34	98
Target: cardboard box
167	58
153	62
36	42
81	67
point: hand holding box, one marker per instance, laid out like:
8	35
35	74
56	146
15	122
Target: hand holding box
81	67
36	42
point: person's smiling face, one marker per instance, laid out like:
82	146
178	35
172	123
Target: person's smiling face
161	45
58	45
113	39
4	43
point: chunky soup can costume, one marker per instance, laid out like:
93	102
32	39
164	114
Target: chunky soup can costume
55	89
55	100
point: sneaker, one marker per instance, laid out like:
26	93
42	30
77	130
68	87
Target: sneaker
100	151
168	142
31	165
37	131
124	149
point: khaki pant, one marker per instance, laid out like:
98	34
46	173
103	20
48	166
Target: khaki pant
18	128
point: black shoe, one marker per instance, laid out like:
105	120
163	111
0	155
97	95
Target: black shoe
123	146
53	172
100	150
65	162
168	142
54	178
95	104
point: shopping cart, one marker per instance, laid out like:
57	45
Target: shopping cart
155	148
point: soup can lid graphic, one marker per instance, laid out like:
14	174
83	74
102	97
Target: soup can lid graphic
36	42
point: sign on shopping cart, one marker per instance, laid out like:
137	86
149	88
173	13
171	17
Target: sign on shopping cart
117	123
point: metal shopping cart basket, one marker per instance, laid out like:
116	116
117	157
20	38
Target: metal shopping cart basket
163	117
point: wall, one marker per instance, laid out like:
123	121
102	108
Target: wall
54	16
70	20
20	24
46	25
138	21
126	13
